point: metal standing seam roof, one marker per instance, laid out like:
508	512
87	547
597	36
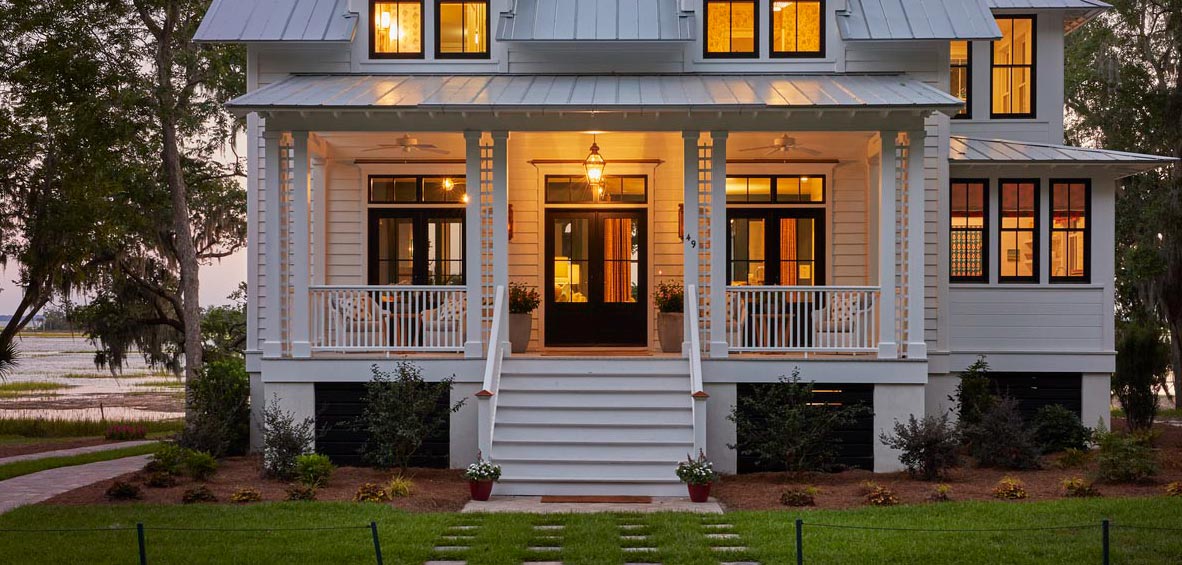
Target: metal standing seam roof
876	20
596	20
1078	12
572	92
971	150
245	21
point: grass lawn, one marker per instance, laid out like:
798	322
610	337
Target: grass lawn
29	388
34	465
595	538
61	427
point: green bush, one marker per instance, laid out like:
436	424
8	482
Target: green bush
798	497
284	440
882	496
120	490
1002	439
246	494
974	396
220	423
197	494
167	459
300	493
930	446
1125	458
1073	458
314	469
1077	487
1009	488
160	479
199	465
370	492
401	413
1142	360
1056	429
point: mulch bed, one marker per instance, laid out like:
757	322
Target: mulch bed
435	490
25	449
761	491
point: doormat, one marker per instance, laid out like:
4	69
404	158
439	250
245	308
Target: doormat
597	500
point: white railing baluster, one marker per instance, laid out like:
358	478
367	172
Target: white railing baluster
388	318
802	318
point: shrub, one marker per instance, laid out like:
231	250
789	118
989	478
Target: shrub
370	492
1125	458
785	425
200	493
300	493
799	496
399	487
120	490
124	432
882	496
1077	487
314	469
866	487
930	446
1174	489
942	493
284	440
670	297
973	397
1073	458
1009	488
523	299
160	479
1002	439
1056	429
1142	360
401	412
199	465
167	459
246	494
220	422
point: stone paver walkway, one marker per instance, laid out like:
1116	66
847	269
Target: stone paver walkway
37	487
74	451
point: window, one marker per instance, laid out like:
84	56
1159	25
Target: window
798	29
800	189
1013	68
419	246
570	189
731	28
1018	241
1070	237
967	231
775	246
461	30
962	76
396	30
416	190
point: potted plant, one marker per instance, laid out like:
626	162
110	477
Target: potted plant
698	475
481	475
523	300
670	298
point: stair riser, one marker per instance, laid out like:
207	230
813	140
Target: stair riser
671	383
596	471
593	452
533	432
584	489
523	415
596	399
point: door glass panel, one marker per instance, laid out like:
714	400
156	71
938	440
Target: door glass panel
571	259
621	260
747	251
395	251
798	263
445	251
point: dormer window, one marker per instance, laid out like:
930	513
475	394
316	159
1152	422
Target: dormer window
462	30
1013	68
961	79
731	28
396	30
798	29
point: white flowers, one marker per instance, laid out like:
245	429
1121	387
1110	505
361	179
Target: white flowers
698	471
483	470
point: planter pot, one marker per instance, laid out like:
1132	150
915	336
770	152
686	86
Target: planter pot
671	330
481	490
520	326
699	493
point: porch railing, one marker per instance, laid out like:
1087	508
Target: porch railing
388	318
802	318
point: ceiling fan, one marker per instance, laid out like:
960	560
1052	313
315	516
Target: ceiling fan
408	144
783	144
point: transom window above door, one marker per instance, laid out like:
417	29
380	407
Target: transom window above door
574	189
805	189
391	189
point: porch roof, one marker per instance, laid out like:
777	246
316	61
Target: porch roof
595	92
247	21
879	20
596	20
970	151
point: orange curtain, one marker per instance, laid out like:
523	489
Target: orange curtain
788	270
617	256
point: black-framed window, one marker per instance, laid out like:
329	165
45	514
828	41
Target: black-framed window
396	29
416	246
968	231
798	28
731	28
1018	214
411	189
775	246
961	76
616	189
461	29
779	189
1012	62
1071	246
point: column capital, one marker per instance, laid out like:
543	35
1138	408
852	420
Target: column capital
500	135
691	134
719	134
473	134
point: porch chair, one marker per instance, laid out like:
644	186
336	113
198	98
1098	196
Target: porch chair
443	325
844	322
356	321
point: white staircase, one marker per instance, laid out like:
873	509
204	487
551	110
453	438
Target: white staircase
579	426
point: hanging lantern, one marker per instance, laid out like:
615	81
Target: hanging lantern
594	164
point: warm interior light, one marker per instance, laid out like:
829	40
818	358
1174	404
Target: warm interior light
464	199
384	22
449	184
804	179
595	164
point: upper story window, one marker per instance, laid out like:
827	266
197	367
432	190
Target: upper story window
1070	237
731	28
961	83
968	226
1018	241
396	30
461	30
798	28
1013	68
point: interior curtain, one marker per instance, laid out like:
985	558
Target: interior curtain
617	254
788	262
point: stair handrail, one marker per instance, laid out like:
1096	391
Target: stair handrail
486	399
693	334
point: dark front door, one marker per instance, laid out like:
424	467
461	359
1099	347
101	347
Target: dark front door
596	292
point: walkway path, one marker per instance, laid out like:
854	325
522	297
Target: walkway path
73	451
37	487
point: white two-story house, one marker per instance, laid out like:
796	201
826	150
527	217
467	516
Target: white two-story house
872	191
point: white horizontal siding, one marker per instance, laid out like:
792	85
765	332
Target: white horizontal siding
1027	319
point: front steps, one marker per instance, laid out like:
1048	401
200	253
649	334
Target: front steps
583	427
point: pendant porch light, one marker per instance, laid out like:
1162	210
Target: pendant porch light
595	164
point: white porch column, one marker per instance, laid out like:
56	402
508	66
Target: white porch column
319	220
301	275
718	344
888	348
474	342
273	338
500	217
917	347
690	238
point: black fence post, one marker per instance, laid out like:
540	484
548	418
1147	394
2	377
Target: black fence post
799	541
139	534
377	545
1105	544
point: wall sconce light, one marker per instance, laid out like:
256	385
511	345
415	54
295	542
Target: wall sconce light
681	222
510	222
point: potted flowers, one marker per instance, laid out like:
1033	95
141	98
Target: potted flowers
698	475
481	475
670	300
522	301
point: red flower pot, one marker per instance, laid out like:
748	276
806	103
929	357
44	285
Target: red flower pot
699	493
480	490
